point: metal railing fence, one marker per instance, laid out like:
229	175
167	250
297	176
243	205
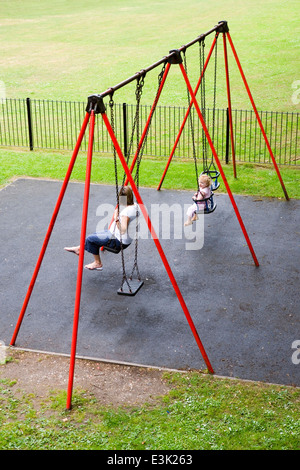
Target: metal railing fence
45	124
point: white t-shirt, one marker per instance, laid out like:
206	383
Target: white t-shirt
128	211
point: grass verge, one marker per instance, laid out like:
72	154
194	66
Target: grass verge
254	180
199	413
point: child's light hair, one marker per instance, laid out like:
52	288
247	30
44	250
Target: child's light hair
206	179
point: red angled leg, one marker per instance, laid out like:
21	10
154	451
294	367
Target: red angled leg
229	104
187	114
219	166
81	258
257	116
149	119
157	243
50	228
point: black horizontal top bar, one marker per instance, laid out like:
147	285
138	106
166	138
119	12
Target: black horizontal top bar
221	27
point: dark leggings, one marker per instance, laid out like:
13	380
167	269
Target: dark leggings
94	242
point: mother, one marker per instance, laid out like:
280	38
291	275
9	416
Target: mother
115	235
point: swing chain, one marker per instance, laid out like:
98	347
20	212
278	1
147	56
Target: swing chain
139	89
140	152
191	124
138	94
139	86
212	165
160	77
215	90
203	101
112	119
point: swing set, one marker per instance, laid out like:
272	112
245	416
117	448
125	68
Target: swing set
96	106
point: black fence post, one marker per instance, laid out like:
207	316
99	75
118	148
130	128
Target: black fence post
227	136
125	128
29	119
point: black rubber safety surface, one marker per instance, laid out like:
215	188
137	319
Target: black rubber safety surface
247	317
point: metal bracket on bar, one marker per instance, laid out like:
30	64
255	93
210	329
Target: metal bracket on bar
223	28
201	37
95	103
175	57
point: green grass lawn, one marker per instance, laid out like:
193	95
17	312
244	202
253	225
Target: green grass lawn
68	50
251	179
199	413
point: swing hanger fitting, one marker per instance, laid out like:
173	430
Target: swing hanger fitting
175	56
223	28
141	75
140	82
95	103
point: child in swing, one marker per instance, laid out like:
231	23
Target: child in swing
203	193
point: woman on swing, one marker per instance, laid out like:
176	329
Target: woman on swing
117	231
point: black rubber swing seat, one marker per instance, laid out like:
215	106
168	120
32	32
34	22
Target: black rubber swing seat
131	289
112	247
112	250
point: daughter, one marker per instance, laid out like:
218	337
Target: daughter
203	193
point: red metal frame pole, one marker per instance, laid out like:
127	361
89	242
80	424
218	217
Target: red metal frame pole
257	116
229	103
219	165
187	113
156	241
149	119
50	228
81	258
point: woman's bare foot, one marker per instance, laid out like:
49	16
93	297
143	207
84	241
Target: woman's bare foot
73	249
94	266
